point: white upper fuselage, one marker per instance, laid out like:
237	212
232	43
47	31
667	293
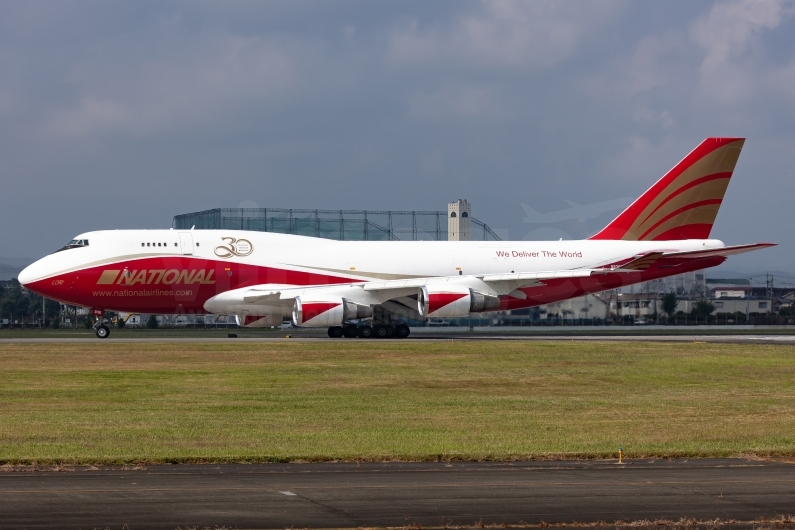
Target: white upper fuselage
357	260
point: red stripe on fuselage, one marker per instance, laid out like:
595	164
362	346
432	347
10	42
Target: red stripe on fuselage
171	284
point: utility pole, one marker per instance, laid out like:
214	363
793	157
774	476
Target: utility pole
769	285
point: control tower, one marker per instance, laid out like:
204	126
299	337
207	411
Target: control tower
459	215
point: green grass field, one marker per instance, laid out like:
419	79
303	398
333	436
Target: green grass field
109	403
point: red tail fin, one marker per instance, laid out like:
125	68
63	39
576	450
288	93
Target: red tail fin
684	203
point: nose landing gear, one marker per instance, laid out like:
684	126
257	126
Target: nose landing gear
101	330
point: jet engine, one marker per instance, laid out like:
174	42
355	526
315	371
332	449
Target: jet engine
453	302
327	311
257	321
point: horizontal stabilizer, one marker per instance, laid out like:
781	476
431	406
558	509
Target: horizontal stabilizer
723	251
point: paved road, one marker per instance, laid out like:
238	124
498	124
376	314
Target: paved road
394	494
421	337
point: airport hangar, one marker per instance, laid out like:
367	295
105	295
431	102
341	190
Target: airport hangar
455	224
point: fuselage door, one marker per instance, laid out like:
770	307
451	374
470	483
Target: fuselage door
186	242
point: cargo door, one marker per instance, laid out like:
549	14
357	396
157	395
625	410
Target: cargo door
186	242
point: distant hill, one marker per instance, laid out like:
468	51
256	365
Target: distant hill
10	267
719	272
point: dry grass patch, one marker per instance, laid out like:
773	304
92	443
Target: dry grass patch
373	400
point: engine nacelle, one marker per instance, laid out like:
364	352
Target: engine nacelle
453	302
258	321
327	311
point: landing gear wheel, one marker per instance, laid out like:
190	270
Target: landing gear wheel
380	332
335	332
365	332
349	330
402	331
103	332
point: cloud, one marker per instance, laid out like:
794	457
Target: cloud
450	102
643	161
89	116
502	34
731	36
361	104
192	84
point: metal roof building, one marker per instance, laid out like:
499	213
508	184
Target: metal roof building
358	225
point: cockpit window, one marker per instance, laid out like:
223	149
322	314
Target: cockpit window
75	243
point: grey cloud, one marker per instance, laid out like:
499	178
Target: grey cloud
122	115
191	86
502	34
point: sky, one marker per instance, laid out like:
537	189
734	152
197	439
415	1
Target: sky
123	114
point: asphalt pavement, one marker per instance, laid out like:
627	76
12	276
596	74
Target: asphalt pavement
350	495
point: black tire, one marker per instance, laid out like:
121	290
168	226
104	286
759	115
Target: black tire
335	332
402	331
349	331
390	331
380	332
103	332
364	332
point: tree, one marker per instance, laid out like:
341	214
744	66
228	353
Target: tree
120	323
14	301
152	322
669	303
51	307
703	309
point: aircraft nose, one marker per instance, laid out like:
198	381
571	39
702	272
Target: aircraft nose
27	275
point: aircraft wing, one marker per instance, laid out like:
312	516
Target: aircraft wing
500	283
261	296
390	292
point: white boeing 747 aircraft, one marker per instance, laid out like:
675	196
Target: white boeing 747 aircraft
364	288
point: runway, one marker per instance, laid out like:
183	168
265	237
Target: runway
350	495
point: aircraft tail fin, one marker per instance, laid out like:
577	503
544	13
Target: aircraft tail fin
683	204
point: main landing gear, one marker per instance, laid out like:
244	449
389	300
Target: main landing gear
378	331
